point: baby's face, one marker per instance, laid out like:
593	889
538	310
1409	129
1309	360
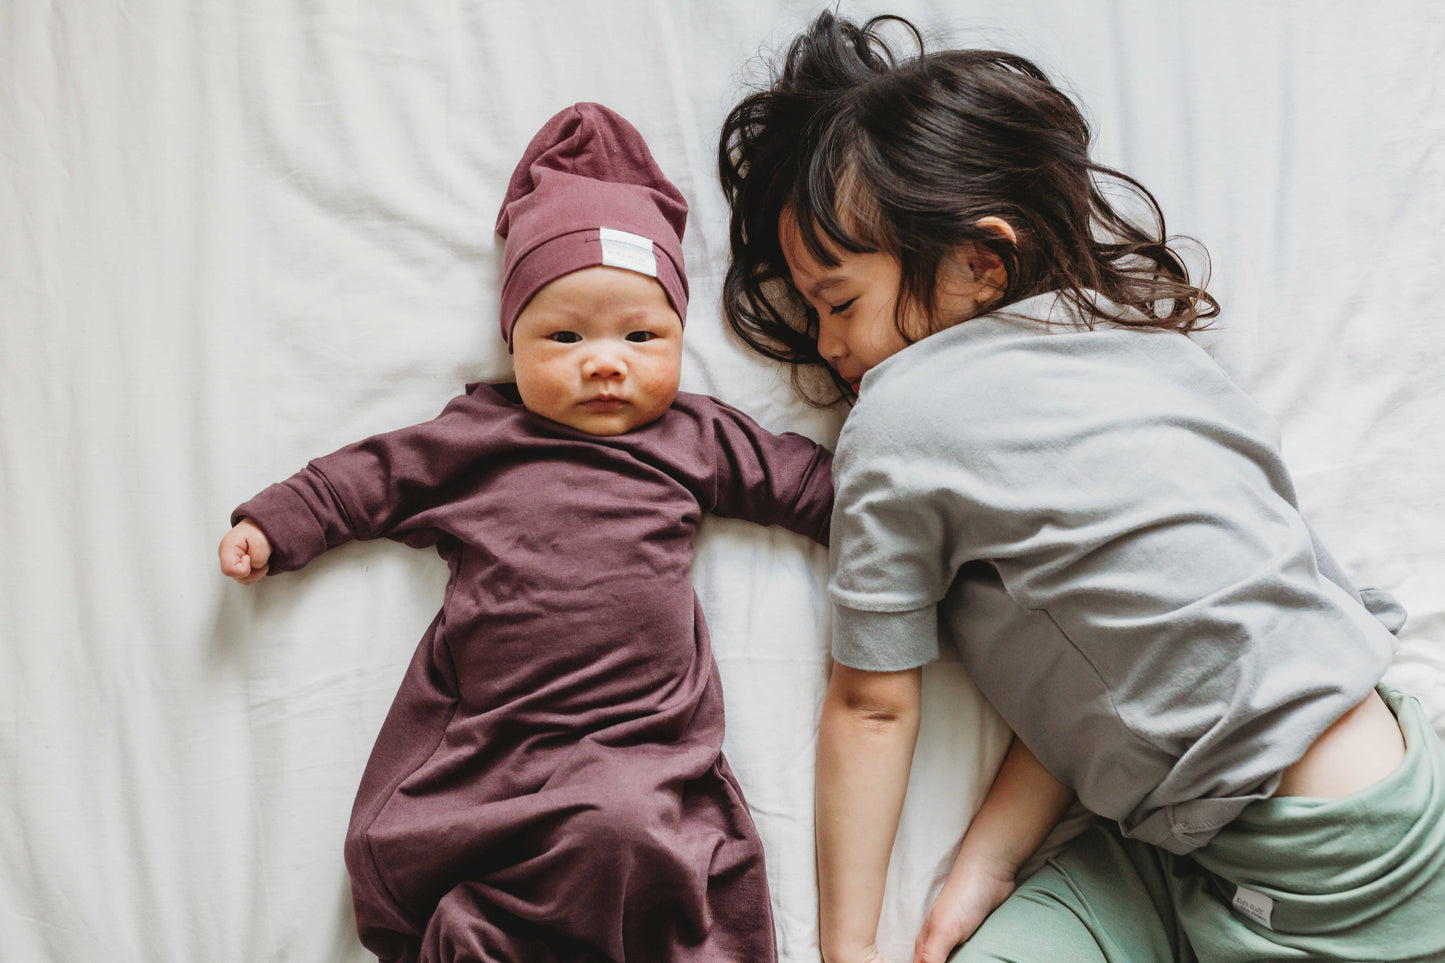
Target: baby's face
599	350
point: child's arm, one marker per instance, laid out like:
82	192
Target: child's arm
865	748
380	486
1023	805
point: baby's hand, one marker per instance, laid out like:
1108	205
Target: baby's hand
245	552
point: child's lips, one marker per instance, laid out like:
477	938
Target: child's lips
603	403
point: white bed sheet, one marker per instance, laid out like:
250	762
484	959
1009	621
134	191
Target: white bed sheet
237	235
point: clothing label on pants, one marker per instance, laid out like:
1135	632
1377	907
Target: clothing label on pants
1256	906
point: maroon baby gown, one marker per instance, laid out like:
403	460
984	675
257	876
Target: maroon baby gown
549	783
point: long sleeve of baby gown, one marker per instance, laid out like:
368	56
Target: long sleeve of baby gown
771	479
380	486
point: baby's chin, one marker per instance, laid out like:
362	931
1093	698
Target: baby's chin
608	424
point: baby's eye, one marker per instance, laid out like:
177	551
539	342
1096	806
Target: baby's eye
565	337
640	336
840	308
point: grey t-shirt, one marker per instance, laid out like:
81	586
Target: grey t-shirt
1100	522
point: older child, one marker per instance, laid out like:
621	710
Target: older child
549	783
1042	470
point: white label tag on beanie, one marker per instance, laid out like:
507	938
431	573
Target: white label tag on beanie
1256	906
631	251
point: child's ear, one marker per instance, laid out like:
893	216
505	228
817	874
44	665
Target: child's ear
1000	227
986	266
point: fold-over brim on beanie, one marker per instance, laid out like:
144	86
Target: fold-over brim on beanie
588	192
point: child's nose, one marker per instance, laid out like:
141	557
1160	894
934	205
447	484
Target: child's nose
830	346
604	364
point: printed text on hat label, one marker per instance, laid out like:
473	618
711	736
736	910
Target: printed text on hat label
630	251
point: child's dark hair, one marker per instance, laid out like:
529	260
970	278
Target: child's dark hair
876	153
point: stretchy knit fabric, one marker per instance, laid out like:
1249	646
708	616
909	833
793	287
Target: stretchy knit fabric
1100	522
549	783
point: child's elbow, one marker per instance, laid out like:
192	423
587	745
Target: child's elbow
876	700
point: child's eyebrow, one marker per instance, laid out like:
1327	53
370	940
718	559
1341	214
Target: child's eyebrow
827	284
638	316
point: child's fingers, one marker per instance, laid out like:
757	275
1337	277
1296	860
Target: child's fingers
245	554
235	562
255	541
260	551
254	573
934	942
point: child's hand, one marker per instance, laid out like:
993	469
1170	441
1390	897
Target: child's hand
245	552
961	907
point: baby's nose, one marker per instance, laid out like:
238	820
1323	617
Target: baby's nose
603	364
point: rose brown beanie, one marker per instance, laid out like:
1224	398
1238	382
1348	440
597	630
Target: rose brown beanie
588	192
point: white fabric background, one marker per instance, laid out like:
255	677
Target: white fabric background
237	235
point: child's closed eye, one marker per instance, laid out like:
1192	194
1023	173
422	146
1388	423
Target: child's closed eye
840	308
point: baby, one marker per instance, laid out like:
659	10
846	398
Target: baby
549	783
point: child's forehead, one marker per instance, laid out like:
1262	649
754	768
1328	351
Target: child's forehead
832	225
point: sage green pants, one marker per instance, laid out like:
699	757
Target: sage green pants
1359	878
